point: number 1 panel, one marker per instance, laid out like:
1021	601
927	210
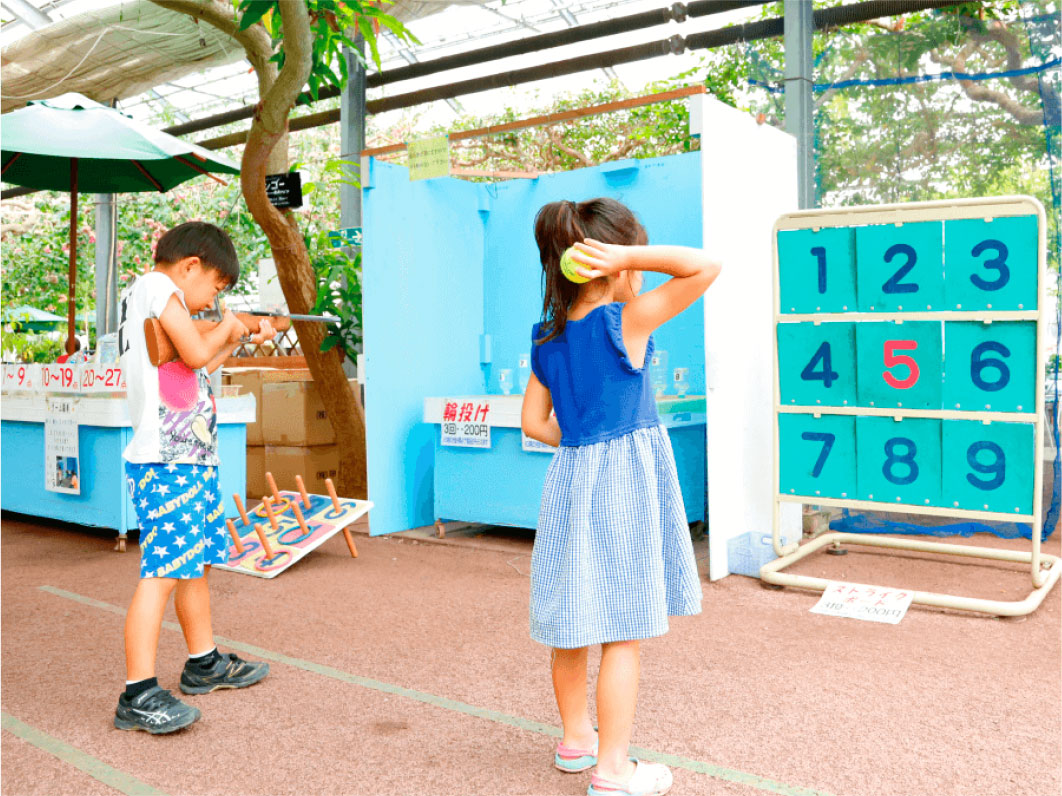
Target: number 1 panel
900	268
900	364
899	460
989	467
817	455
991	264
816	270
990	366
816	364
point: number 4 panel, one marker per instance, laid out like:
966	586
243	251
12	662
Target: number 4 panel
816	364
898	460
816	270
991	264
817	455
989	466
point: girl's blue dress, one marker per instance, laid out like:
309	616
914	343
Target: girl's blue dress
612	557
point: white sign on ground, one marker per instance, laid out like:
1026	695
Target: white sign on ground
869	603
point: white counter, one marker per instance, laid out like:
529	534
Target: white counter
110	412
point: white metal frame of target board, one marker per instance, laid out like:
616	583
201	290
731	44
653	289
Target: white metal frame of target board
1045	569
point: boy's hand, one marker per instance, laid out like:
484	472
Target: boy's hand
602	259
237	331
265	332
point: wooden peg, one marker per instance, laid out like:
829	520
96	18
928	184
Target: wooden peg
332	494
302	491
241	509
273	487
350	543
299	518
235	536
265	542
268	503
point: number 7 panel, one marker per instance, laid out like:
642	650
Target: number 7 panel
817	455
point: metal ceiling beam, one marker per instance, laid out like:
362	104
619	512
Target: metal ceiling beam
28	14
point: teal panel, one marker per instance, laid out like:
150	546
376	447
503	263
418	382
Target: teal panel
817	455
899	364
991	264
898	460
900	268
989	466
990	366
816	364
816	270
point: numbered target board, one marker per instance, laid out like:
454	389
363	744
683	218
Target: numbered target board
909	367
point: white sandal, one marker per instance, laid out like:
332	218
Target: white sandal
648	779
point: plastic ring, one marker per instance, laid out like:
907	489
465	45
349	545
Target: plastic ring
248	548
270	563
296	540
285	504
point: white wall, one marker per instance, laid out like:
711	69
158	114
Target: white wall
749	179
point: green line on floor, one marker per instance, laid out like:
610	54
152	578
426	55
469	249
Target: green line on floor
675	761
95	768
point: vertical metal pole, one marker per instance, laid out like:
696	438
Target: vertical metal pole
352	136
799	104
106	262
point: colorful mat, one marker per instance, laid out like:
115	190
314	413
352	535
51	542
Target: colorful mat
289	541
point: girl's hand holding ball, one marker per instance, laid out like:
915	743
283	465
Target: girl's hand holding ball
591	259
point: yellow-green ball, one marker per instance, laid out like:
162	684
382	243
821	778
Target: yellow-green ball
568	266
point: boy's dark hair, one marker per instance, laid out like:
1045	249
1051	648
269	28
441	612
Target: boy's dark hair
209	243
560	224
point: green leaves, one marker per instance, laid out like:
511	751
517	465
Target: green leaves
338	293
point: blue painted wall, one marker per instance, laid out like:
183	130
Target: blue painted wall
448	263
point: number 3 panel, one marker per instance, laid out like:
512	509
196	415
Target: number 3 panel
990	366
989	467
816	270
900	364
817	455
900	268
816	364
898	460
991	264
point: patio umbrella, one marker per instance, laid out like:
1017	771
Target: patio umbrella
30	318
72	143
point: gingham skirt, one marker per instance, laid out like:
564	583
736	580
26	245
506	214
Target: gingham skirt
612	557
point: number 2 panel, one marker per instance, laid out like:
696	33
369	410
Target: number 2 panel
899	364
817	455
816	270
900	268
898	460
816	364
990	366
989	467
991	264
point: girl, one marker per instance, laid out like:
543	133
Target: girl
612	557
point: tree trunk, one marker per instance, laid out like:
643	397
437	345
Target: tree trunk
266	153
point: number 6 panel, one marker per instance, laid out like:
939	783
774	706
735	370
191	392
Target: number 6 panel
989	467
990	366
991	265
900	268
899	460
817	455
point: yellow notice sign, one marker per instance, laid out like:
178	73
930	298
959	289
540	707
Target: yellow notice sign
429	157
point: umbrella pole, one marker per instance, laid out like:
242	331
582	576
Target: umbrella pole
70	305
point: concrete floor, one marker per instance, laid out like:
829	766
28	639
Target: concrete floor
410	671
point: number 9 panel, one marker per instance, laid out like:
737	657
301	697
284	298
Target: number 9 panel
900	268
991	264
817	455
899	460
989	467
816	270
990	366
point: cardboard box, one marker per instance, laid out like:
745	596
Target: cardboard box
314	464
256	470
293	414
251	381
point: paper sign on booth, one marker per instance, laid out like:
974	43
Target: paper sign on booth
62	468
429	157
869	603
466	424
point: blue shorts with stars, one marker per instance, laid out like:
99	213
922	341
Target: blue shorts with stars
181	518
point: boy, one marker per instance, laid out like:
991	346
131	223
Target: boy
171	467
